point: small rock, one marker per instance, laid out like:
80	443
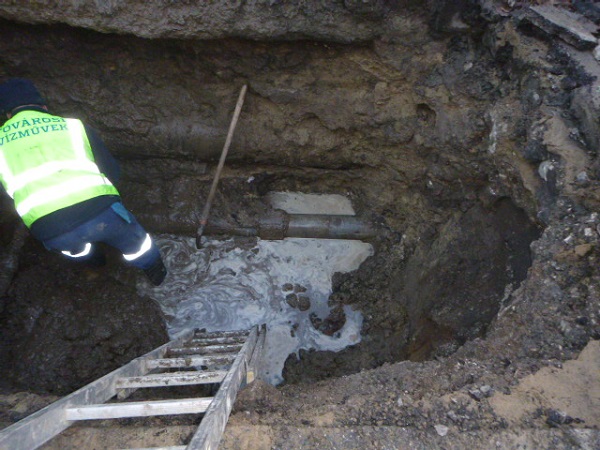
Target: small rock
303	303
476	394
292	300
442	430
583	249
556	418
486	390
597	53
582	177
399	401
331	324
544	168
582	320
299	288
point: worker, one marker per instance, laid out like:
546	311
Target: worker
61	178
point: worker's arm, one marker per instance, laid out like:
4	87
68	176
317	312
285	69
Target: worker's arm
107	164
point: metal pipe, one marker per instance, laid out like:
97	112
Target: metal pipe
279	225
329	227
220	229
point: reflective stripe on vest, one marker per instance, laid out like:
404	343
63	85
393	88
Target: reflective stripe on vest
57	192
47	169
46	164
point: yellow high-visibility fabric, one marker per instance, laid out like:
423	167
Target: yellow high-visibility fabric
46	164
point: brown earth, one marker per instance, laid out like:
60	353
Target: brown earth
467	131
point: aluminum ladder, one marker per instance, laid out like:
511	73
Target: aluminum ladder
230	358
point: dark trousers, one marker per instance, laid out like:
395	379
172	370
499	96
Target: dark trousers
114	226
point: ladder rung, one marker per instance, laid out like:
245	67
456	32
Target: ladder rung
220	334
190	361
138	409
171	379
207	350
177	447
216	340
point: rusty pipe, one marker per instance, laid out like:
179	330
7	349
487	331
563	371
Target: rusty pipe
327	226
279	225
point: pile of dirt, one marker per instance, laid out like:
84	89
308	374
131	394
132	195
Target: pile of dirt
64	325
532	380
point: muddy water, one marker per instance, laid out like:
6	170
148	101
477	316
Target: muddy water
226	286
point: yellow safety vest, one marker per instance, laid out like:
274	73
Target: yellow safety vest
47	163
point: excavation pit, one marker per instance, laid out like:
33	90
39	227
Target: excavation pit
468	137
396	149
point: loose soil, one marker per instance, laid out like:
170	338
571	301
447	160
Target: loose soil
466	135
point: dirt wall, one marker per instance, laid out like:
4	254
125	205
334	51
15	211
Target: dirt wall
439	129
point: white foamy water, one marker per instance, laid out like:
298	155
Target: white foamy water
224	287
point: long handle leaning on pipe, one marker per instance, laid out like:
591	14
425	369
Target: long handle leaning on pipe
213	188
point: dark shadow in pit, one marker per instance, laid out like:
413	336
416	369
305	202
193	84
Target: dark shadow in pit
445	293
454	288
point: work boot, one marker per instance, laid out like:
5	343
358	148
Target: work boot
156	273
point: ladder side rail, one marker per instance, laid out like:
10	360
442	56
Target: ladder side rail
209	433
41	426
253	368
